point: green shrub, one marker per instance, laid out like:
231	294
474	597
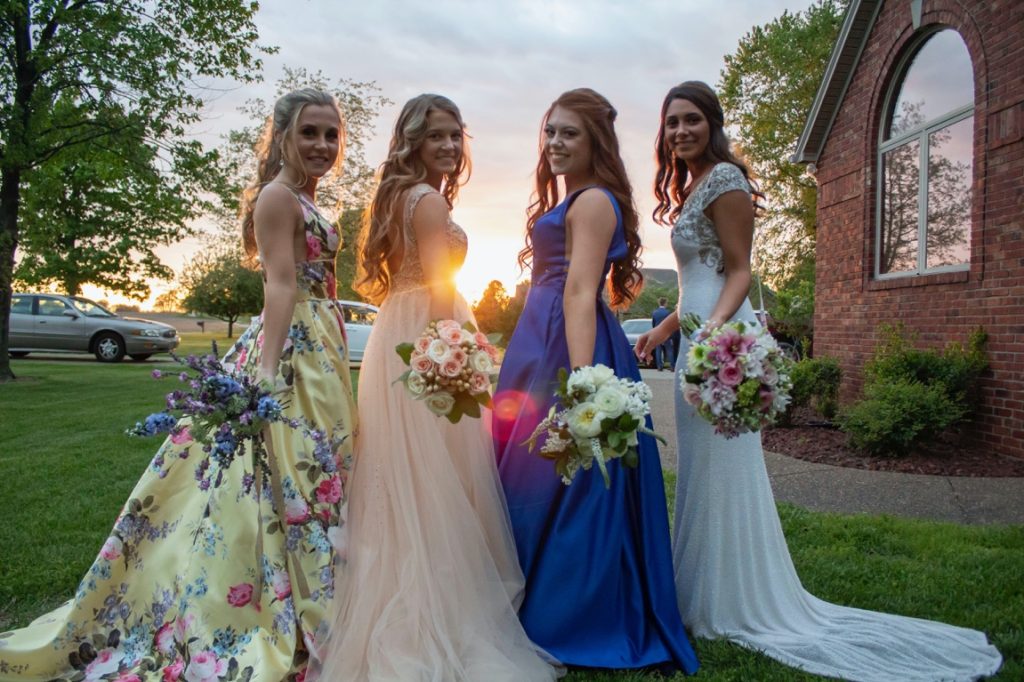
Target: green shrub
815	384
913	395
896	416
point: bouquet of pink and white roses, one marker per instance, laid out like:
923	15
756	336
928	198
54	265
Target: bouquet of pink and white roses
451	369
737	377
599	420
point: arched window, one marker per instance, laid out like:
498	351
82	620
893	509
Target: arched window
925	162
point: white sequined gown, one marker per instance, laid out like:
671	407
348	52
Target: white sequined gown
734	576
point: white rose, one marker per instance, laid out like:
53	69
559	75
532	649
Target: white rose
581	380
481	362
601	374
585	420
437	351
440	403
416	384
610	400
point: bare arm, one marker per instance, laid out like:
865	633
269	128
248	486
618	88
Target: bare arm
277	218
648	341
590	224
733	216
430	224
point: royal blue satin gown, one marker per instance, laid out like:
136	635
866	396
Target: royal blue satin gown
598	563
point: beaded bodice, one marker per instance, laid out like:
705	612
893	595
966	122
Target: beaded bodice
409	274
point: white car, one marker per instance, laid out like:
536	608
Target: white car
359	318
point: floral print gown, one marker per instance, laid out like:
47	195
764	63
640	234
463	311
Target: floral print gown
204	583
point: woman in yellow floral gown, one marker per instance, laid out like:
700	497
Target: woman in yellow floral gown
204	583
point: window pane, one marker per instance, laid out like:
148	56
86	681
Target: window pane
940	79
21	304
950	156
900	183
51	306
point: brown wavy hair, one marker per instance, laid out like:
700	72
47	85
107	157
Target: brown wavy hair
382	235
598	117
670	182
276	147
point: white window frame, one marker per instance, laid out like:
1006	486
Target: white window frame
921	135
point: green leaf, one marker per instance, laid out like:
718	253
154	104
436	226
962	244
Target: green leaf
405	351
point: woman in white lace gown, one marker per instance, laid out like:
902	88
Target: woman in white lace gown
734	576
432	579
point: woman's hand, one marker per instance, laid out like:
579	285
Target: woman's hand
648	341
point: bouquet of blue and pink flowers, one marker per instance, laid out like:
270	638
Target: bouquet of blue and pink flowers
224	410
600	417
737	377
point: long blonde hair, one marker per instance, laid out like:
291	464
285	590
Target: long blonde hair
382	235
276	148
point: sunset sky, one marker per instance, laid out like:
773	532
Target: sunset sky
502	62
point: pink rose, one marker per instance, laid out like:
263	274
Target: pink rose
493	352
205	667
481	339
106	662
296	511
447	324
459	355
479	383
172	673
731	374
239	595
313	247
329	491
767	399
451	368
421	364
282	584
182	437
451	335
691	394
164	639
421	344
112	548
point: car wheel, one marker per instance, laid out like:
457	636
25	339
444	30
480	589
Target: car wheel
141	357
109	347
18	353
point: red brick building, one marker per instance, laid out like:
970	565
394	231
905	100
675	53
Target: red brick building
916	138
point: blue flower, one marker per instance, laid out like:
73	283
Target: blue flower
268	408
223	386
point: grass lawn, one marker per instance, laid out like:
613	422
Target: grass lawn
66	468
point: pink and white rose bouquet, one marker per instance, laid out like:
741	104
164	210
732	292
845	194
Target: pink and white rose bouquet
451	369
596	419
737	377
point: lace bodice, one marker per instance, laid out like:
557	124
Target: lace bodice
316	274
694	233
410	272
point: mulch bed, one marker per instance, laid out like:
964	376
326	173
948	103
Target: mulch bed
812	440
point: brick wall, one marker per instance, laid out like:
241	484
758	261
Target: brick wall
850	303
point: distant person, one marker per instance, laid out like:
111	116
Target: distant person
432	579
734	574
198	580
663	352
599	589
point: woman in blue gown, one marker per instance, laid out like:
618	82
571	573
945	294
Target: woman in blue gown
597	561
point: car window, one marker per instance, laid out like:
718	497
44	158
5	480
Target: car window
51	306
21	304
90	309
359	315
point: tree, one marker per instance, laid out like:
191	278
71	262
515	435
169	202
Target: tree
218	284
767	87
83	75
498	313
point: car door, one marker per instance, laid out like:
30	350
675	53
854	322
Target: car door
58	325
22	321
358	325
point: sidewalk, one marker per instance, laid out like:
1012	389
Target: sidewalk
839	489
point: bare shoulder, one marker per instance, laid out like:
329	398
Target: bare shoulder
592	201
276	202
431	213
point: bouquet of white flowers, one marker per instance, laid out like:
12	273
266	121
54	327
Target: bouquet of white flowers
451	369
599	418
737	377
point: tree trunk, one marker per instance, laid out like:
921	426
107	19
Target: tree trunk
9	197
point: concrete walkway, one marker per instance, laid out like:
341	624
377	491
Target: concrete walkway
840	489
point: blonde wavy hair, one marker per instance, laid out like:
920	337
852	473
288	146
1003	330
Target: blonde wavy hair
276	147
382	235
